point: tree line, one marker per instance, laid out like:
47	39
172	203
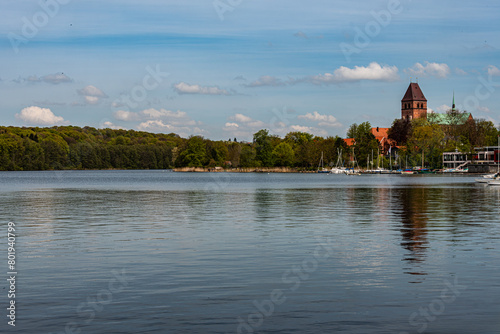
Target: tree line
71	147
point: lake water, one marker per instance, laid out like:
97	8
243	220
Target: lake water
164	252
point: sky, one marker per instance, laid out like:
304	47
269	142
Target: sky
228	68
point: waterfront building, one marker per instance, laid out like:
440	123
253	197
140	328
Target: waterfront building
485	159
455	160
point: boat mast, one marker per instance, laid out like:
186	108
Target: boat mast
422	158
390	158
321	162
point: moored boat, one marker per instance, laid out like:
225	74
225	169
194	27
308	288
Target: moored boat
486	178
496	180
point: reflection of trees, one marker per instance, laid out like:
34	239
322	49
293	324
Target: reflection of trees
414	222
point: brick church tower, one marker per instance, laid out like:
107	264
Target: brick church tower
414	103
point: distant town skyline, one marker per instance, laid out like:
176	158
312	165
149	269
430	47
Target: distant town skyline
224	69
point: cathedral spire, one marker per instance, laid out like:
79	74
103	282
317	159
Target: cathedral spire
453	105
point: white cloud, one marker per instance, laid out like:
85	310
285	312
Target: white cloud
459	71
247	121
308	129
443	108
91	99
39	116
301	128
430	69
242	126
174	117
91	91
162	120
155	126
91	94
184	88
153	113
126	116
163	127
240	118
110	125
56	78
493	71
323	120
373	71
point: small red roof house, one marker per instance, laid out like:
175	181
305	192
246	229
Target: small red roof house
350	141
382	136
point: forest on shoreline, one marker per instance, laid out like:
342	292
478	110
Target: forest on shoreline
72	147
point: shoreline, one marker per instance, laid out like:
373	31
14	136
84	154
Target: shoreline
240	170
294	170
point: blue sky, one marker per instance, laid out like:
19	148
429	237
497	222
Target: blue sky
227	68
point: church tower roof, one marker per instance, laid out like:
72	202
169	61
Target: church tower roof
414	93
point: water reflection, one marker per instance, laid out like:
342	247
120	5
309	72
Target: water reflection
412	206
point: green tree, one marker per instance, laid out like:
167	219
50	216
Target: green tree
428	140
302	146
283	155
365	142
217	151
194	155
234	153
352	132
400	130
264	149
248	157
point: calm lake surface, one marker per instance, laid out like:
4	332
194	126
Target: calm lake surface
164	252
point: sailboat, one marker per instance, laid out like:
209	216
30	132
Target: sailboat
321	168
496	180
352	171
339	168
486	178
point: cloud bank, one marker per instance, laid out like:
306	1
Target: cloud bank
39	116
